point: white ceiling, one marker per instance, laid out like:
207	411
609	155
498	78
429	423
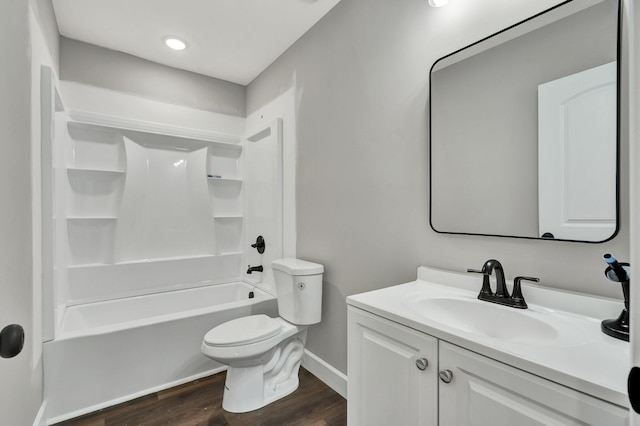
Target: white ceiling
233	40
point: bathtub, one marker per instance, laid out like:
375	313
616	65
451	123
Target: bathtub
109	352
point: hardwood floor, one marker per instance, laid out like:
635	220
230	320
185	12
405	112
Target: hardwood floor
199	403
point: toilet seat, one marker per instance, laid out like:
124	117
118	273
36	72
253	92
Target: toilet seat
243	331
247	353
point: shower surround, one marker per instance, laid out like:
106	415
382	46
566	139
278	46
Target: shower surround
151	226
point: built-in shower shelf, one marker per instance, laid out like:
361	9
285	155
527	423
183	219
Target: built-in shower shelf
164	260
153	133
226	196
94	193
214	179
228	231
89	266
90	218
90	238
88	172
231	253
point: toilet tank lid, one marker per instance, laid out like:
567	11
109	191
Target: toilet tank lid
297	266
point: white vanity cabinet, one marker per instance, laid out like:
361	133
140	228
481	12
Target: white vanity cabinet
388	387
483	391
393	373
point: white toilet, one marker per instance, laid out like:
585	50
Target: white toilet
264	353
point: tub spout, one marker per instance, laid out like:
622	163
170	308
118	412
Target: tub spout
254	269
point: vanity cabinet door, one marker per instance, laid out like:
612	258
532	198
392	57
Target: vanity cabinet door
483	392
390	382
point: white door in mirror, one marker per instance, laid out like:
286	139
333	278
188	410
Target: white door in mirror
577	155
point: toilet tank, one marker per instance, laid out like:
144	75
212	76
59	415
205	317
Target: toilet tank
299	288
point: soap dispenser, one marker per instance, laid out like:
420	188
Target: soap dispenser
618	272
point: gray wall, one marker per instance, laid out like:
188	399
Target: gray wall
361	77
96	66
21	393
47	19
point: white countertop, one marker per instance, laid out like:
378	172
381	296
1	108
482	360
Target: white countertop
587	360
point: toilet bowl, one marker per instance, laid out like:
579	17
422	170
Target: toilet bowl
263	354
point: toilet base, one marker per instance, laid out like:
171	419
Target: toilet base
250	388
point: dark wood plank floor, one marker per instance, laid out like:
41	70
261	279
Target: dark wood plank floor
199	403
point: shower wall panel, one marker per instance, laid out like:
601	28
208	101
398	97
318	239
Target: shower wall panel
144	211
165	207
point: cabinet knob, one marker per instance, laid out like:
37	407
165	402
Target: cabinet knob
446	376
422	363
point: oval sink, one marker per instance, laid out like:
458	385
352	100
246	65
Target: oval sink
488	319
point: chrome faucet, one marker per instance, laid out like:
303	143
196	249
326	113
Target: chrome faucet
501	296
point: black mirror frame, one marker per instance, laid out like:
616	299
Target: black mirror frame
618	120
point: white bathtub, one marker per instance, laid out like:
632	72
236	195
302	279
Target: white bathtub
110	352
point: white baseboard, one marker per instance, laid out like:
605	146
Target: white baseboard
324	371
41	419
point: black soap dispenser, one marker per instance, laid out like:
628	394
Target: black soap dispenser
621	273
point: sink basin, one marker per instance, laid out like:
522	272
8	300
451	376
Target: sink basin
484	318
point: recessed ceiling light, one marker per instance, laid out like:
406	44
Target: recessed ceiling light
175	43
438	3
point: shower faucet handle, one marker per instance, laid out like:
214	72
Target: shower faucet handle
260	244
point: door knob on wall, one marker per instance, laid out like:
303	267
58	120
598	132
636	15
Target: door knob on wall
11	341
633	388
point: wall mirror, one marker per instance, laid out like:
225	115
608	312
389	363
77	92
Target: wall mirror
524	129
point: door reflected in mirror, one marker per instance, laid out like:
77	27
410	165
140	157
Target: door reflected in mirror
524	129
